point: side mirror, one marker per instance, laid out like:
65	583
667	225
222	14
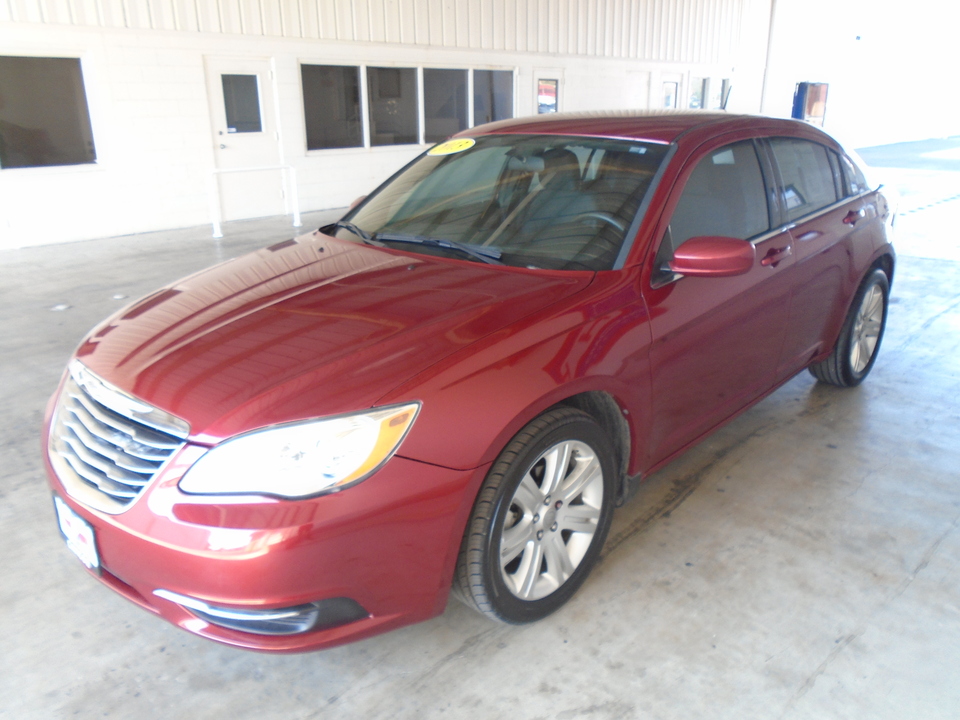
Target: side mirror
712	256
357	202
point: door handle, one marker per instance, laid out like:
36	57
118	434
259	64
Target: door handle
851	217
775	255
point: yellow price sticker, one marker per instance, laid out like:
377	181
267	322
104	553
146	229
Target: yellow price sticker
452	146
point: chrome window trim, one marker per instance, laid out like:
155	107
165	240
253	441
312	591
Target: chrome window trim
822	211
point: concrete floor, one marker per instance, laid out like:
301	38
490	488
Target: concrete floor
803	562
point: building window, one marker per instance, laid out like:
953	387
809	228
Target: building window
492	95
44	118
241	100
393	102
698	91
670	94
547	96
331	106
444	103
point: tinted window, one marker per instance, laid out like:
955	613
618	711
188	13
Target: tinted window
492	95
724	196
806	175
393	106
444	103
331	106
43	113
854	182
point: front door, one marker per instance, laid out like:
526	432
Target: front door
716	340
243	117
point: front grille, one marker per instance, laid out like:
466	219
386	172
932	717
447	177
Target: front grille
106	445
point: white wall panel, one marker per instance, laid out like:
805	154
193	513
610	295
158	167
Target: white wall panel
377	20
56	11
361	14
408	21
137	13
470	33
230	15
271	17
208	17
343	17
185	14
290	19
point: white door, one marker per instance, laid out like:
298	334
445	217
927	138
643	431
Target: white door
245	135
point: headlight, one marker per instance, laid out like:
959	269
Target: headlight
302	459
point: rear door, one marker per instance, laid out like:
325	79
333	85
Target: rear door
716	340
823	215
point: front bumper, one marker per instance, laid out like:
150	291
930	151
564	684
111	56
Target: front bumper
388	544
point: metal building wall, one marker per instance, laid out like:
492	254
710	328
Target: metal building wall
687	31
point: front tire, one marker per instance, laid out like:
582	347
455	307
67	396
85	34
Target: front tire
540	519
859	342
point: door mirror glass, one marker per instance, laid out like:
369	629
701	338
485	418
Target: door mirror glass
713	256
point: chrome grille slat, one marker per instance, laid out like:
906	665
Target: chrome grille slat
119	438
142	435
109	469
103	483
104	458
121	459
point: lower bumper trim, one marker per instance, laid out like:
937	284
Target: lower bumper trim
319	615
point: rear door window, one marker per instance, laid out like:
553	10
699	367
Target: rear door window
853	181
808	181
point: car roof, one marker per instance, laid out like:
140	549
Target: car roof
663	126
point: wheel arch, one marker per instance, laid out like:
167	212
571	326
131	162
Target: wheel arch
611	416
886	263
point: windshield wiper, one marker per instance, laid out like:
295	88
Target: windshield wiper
484	254
350	227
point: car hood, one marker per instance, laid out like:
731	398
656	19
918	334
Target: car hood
306	328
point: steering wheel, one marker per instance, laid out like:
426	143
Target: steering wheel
603	217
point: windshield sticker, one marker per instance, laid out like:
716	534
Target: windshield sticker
452	146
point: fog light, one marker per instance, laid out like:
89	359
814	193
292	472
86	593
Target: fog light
276	621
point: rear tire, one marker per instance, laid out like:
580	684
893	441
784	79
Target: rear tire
859	342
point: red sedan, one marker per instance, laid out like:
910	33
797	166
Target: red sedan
454	385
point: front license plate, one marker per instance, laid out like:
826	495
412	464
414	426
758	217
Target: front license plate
78	534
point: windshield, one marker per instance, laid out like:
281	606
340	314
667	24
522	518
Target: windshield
562	203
